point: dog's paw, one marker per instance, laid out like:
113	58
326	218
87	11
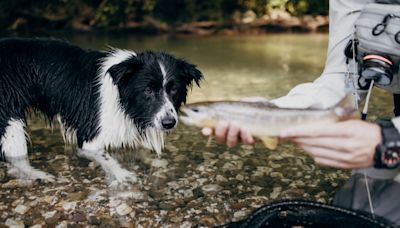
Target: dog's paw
122	178
42	176
31	174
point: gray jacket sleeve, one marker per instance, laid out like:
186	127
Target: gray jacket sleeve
329	88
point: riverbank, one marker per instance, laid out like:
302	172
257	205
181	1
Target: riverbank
246	24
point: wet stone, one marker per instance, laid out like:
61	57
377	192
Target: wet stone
239	177
261	181
93	220
211	188
158	181
51	217
238	215
168	206
198	192
276	174
159	163
67	206
188	193
79	216
220	178
14	223
123	209
21	209
3	171
17	183
108	223
76	196
208	221
275	192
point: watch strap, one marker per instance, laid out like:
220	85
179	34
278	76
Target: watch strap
387	154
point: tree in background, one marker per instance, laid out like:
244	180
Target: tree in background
117	13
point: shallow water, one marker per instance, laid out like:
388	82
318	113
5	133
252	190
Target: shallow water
192	183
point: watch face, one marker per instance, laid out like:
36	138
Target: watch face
391	157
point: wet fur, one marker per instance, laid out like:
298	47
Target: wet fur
100	98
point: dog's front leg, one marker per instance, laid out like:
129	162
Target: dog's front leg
115	173
13	147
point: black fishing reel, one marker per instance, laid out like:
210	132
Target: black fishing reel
372	67
377	68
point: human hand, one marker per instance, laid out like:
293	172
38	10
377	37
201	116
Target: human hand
230	134
348	144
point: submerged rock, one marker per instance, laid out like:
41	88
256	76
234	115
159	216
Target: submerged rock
159	163
211	188
69	206
123	209
21	209
51	217
12	223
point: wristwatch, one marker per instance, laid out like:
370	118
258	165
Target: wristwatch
387	154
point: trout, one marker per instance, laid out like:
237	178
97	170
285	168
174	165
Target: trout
263	120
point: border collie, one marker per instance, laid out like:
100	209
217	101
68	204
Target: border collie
101	99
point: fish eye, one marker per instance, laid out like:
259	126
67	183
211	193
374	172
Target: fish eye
195	110
148	91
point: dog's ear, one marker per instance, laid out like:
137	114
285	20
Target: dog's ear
123	71
190	73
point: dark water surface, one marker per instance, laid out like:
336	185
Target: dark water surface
191	183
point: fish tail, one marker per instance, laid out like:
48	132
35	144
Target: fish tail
345	108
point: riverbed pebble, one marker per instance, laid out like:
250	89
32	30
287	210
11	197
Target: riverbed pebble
69	205
159	163
21	209
123	209
211	188
13	223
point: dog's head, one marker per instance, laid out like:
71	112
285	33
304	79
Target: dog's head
152	87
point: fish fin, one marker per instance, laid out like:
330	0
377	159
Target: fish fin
345	108
270	142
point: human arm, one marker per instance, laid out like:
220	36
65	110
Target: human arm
326	90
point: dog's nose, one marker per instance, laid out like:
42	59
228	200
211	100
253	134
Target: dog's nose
168	123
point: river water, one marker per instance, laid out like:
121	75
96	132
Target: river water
192	183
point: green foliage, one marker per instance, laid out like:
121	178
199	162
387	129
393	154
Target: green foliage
314	7
105	13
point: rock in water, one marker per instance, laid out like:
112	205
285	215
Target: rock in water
159	163
21	209
211	188
123	209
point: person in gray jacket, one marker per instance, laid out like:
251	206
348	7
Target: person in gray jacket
353	144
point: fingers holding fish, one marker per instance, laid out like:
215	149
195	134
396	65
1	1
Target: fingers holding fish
233	135
349	144
262	120
246	137
338	159
221	131
229	134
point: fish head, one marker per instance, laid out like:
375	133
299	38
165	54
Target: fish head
199	115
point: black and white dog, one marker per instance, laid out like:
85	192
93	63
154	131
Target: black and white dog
101	99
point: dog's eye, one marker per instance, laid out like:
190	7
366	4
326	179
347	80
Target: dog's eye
173	90
148	91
